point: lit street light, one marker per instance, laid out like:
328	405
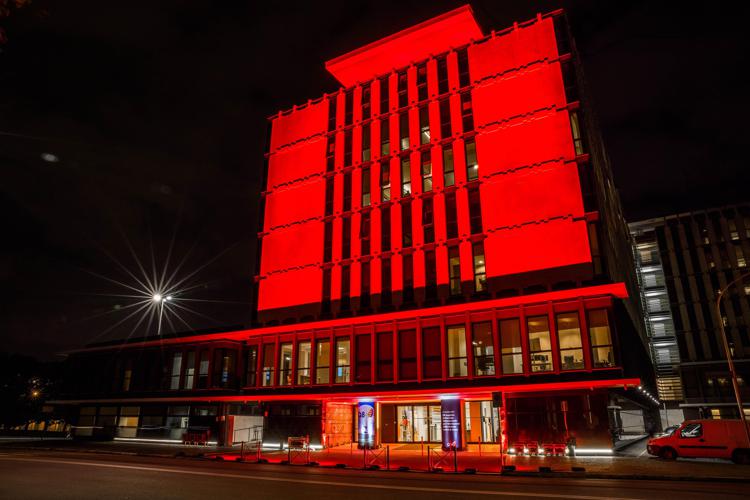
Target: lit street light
160	300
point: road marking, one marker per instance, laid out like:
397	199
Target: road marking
316	482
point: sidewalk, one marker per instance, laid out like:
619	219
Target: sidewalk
415	458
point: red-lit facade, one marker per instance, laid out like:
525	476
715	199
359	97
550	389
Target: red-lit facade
438	229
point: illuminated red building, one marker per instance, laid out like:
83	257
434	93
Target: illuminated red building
441	245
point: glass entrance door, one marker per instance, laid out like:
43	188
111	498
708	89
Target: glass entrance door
405	415
417	423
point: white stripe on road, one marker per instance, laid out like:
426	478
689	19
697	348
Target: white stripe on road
316	482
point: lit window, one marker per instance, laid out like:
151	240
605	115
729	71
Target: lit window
403	128
342	361
405	176
303	363
424	125
366	187
251	366
385	140
189	375
426	172
385	181
268	364
510	345
569	338
322	361
601	338
366	142
448	173
540	347
575	129
285	364
483	347
174	383
472	167
457	351
454	271
480	270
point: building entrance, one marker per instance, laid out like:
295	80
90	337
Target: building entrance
417	423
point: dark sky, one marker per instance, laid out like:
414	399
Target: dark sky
157	114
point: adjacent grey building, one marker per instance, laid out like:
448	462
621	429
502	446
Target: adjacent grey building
682	262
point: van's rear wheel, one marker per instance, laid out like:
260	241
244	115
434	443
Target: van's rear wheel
668	453
741	457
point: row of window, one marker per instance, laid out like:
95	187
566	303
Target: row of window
401	98
403	139
506	349
479	284
408	213
382	169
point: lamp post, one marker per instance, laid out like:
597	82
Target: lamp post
157	297
728	352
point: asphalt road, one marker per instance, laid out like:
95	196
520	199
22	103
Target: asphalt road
64	475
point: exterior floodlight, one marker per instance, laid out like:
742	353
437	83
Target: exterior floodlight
156	297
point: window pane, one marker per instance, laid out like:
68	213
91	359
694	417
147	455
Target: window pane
484	350
432	353
457	352
510	345
540	347
385	356
285	364
407	353
322	361
303	362
569	338
342	360
599	328
268	364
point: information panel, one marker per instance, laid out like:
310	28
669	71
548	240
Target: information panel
450	418
366	424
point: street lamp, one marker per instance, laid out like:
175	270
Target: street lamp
159	300
728	352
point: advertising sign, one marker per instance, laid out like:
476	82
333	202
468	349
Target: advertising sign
450	419
366	424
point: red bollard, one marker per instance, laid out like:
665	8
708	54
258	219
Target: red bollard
455	459
388	457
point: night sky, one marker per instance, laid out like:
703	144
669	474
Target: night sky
156	113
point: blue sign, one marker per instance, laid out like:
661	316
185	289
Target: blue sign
366	424
450	420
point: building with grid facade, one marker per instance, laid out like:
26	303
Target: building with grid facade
683	261
442	256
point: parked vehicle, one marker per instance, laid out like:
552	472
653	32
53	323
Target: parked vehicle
704	439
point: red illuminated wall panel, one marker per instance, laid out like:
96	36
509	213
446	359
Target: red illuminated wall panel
532	89
295	246
537	246
289	289
297	162
299	124
513	50
531	199
520	143
292	244
531	194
